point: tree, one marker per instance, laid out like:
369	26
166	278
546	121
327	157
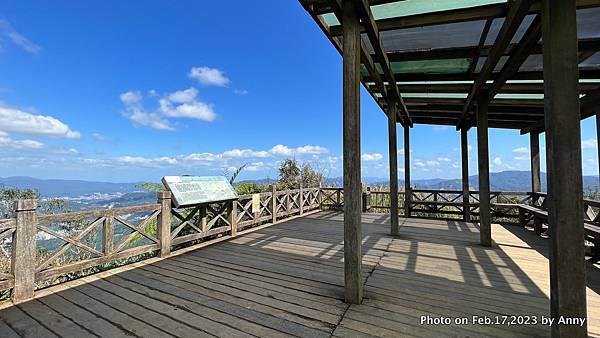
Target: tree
310	177
289	174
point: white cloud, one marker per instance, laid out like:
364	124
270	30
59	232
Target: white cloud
521	153
240	92
131	98
444	159
245	153
140	118
497	161
8	32
179	104
440	128
183	96
193	110
14	120
369	157
209	76
281	150
589	144
6	141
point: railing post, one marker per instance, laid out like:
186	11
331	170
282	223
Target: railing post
203	219
273	203
108	235
23	250
366	201
301	199
233	217
320	196
164	222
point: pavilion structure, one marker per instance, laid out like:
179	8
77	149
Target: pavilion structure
527	65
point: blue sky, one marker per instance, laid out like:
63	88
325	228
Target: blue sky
132	91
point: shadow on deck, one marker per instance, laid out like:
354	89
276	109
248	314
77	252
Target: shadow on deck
287	280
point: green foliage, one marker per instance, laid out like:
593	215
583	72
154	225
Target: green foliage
310	177
237	173
291	174
245	188
151	186
8	196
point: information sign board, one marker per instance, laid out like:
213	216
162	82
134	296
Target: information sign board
190	190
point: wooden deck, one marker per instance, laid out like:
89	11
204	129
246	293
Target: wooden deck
287	280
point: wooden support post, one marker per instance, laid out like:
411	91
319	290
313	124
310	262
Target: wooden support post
108	235
273	203
393	154
353	281
485	226
23	250
464	151
563	147
407	189
164	222
233	216
301	199
534	148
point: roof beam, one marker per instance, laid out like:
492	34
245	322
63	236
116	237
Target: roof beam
513	20
374	76
380	55
524	75
589	105
585	46
512	65
508	88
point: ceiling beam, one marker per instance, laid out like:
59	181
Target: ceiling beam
589	106
366	16
531	37
508	88
513	20
585	46
365	57
523	75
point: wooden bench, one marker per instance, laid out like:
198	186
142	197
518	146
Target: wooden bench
593	230
540	217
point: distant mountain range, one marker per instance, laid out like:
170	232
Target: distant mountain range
500	181
127	193
67	188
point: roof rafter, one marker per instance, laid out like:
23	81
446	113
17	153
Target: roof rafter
588	105
586	46
380	55
374	76
513	20
520	54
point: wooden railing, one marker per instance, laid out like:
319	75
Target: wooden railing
38	250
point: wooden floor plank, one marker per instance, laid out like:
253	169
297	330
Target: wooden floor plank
6	331
53	320
23	324
84	318
287	280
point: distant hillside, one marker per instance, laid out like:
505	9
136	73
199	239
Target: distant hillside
67	188
501	181
127	193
